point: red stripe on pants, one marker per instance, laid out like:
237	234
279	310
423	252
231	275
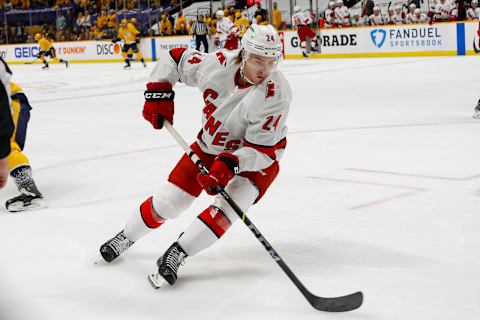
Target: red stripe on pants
149	216
216	220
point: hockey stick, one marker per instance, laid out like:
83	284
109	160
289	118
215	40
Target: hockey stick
337	304
30	62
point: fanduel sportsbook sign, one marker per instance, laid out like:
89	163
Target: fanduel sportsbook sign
408	37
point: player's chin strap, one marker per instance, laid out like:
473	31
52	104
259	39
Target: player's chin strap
245	57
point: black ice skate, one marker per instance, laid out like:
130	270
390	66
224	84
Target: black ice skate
114	247
29	198
476	112
168	265
45	67
305	55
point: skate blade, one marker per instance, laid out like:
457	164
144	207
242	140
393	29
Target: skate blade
35	205
99	260
156	280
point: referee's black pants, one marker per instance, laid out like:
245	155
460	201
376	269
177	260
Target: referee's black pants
201	39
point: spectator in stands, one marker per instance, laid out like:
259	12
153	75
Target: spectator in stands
259	20
241	23
112	21
277	17
60	24
19	33
261	12
165	26
80	21
30	38
87	20
181	25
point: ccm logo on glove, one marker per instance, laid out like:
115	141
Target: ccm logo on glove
152	95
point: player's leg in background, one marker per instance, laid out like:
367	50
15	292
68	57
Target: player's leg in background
56	59
18	164
41	56
139	55
125	56
303	40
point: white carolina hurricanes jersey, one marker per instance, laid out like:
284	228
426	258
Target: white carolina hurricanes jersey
329	16
342	15
377	20
358	23
473	14
301	18
422	19
398	18
225	27
442	11
246	121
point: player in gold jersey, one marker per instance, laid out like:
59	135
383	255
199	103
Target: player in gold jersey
130	37
18	164
47	50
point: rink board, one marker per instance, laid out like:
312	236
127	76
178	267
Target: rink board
386	41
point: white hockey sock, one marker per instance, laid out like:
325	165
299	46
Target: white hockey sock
168	203
198	237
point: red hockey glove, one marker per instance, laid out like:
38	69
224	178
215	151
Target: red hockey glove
158	103
221	172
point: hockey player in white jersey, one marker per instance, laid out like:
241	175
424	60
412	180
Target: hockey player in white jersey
330	15
473	13
410	13
399	16
342	15
300	22
376	19
242	139
358	21
227	32
419	17
443	10
389	16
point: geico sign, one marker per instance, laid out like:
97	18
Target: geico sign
108	48
26	52
334	40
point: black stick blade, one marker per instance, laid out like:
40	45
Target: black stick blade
339	304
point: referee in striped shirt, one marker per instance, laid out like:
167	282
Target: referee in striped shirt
200	29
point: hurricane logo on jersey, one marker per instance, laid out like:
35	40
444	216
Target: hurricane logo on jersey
378	37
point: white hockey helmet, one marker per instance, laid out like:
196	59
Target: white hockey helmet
412	5
416	11
262	40
331	4
474	1
397	7
296	9
376	8
219	14
339	1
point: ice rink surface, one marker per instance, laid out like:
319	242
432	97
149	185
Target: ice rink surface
379	191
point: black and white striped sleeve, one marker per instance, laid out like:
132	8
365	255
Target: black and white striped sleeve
6	122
